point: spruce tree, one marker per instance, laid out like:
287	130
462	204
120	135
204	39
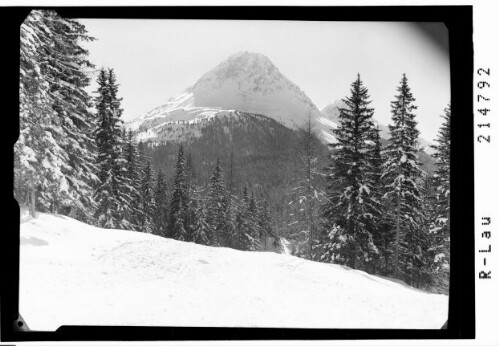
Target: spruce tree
126	189
142	157
104	196
242	230
265	221
160	217
439	227
38	154
231	203
402	177
350	206
217	207
147	200
190	169
255	230
247	229
68	69
380	225
179	231
133	180
307	193
422	265
109	195
179	200
198	214
243	233
239	209
192	198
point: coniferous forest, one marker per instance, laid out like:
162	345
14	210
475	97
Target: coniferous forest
360	202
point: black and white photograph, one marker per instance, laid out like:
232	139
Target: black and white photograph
233	173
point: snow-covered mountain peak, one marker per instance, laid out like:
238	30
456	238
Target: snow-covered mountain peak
240	65
245	81
254	68
251	82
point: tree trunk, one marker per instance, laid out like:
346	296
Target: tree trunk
397	240
309	183
56	206
352	261
32	210
386	262
229	200
310	231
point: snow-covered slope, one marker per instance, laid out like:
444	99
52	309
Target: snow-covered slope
174	117
72	273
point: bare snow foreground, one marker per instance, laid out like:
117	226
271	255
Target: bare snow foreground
72	273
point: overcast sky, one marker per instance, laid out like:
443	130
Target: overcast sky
157	59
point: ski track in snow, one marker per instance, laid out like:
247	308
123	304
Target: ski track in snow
73	273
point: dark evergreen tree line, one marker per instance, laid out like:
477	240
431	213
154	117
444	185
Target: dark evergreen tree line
210	215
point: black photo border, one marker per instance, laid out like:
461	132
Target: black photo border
458	19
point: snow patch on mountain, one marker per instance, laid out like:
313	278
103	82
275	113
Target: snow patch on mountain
184	100
328	136
327	122
178	109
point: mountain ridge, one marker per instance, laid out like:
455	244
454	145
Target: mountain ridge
246	82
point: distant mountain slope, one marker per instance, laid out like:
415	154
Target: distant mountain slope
70	270
264	153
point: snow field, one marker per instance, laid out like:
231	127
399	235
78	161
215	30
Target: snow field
73	273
